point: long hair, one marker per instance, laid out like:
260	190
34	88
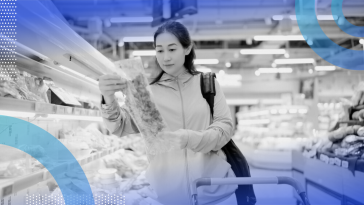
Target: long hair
181	33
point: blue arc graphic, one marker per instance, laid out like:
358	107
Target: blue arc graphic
329	50
337	10
38	143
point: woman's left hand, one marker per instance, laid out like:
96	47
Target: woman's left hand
177	138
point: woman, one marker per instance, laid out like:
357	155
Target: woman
200	137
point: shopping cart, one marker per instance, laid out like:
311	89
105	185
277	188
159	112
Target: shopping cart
249	180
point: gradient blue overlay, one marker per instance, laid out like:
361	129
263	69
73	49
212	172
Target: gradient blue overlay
25	136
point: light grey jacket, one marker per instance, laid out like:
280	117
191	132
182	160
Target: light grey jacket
182	106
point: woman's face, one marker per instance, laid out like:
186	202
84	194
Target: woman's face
170	53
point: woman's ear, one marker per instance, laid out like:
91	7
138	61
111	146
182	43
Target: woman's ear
188	50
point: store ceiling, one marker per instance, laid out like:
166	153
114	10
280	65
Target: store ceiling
221	26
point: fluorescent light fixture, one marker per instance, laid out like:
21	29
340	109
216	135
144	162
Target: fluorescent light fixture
295	61
79	74
145	19
144	53
275	70
206	61
294	17
254	122
228	64
279	38
302	111
278	17
242	101
262	51
138	39
325	68
292	111
283	111
273	111
361	41
327	17
204	70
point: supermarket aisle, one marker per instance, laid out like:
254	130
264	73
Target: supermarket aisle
272	194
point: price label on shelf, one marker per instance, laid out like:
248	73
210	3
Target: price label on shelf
60	109
68	110
44	107
83	111
324	158
345	164
332	161
337	161
76	111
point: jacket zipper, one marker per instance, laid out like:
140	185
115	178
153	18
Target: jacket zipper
186	160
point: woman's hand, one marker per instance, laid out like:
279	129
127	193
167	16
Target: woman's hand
109	84
177	139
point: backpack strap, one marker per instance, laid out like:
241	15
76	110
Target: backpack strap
208	89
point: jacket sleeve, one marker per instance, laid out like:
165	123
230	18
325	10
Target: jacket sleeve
117	119
218	133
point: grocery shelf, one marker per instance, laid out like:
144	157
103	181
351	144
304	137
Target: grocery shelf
10	186
16	105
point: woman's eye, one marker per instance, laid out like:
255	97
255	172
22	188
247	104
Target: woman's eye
160	51
172	49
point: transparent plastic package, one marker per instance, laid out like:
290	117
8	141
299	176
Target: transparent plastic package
141	106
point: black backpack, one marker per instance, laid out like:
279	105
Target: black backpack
245	193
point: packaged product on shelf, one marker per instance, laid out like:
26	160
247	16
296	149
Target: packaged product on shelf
140	104
8	87
22	88
37	86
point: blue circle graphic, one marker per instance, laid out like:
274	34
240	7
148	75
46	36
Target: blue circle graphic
346	26
325	47
48	150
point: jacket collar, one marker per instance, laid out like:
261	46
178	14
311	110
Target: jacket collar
171	81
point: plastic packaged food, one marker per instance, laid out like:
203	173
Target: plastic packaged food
141	107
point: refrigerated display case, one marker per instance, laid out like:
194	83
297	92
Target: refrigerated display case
267	136
49	50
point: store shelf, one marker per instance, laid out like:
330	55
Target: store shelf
10	186
11	104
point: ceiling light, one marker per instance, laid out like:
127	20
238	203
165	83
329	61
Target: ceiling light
206	61
302	111
204	70
286	55
277	17
254	122
221	72
319	17
144	53
257	73
274	65
361	41
147	19
310	42
121	43
282	111
273	111
295	61
275	70
236	55
310	71
325	68
262	51
292	111
138	39
79	74
279	38
228	64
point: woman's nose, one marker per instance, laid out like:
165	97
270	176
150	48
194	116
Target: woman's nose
167	57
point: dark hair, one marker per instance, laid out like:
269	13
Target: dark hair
181	33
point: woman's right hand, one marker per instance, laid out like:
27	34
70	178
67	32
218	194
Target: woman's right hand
109	84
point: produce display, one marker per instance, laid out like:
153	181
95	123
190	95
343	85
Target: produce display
140	105
23	86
